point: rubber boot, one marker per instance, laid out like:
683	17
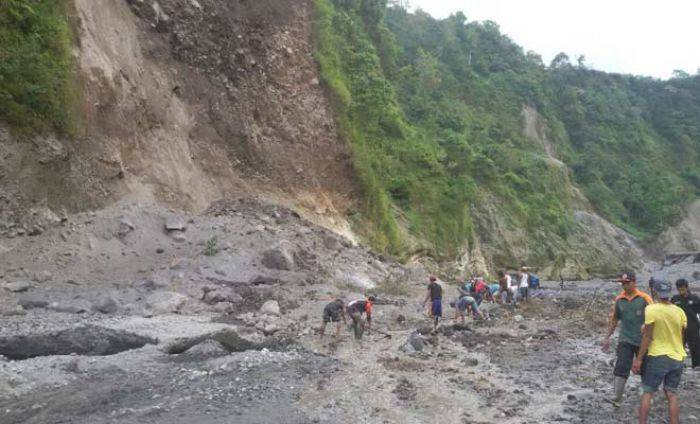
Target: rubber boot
619	384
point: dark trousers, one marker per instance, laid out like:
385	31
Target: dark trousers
692	339
625	356
358	324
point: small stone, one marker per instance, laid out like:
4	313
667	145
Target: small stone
518	318
43	276
16	311
125	227
270	329
105	305
166	302
68	309
175	223
179	237
271	307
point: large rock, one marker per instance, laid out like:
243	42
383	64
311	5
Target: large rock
414	343
32	301
278	257
271	307
166	302
229	339
18	286
84	340
105	305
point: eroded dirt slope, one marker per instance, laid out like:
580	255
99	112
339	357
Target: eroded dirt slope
185	102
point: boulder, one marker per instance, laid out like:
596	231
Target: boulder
271	307
414	343
105	305
278	257
166	302
207	348
18	286
32	301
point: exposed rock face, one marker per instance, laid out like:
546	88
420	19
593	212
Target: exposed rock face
686	235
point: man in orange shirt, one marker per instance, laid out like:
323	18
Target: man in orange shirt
628	310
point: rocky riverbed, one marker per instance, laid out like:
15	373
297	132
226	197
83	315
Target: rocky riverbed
137	314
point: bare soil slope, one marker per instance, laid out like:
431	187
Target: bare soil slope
185	102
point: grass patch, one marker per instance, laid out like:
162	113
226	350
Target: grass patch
36	82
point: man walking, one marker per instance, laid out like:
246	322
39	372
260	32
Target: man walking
628	310
664	325
434	295
690	303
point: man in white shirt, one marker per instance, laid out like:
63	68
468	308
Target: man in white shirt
523	277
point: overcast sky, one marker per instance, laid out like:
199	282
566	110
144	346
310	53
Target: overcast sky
641	37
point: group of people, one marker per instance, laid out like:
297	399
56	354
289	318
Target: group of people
653	332
652	338
471	294
507	290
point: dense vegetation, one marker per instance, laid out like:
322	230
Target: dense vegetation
433	109
35	65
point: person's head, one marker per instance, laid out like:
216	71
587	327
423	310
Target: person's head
501	274
432	279
629	282
682	286
662	288
371	298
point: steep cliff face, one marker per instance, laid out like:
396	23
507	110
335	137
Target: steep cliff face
184	102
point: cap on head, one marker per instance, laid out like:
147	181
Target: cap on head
681	282
432	278
627	276
662	288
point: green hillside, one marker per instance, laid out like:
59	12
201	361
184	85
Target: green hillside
433	110
35	65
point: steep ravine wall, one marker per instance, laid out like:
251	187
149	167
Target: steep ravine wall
185	102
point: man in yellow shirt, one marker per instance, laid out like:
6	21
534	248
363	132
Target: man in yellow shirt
664	325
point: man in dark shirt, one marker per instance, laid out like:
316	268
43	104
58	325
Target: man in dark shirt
434	295
333	312
690	304
355	309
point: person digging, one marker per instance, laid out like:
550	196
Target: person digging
333	312
356	309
